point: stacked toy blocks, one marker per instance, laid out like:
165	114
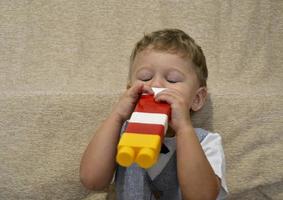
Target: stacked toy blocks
144	134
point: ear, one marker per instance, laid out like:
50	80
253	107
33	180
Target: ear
199	99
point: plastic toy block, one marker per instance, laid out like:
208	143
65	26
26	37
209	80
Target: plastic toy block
149	118
147	104
145	128
140	148
141	141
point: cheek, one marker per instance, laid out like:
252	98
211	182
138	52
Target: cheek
188	95
132	79
183	91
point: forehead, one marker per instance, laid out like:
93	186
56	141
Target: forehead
151	58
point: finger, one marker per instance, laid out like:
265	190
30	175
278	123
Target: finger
172	97
136	90
147	89
171	91
165	97
168	92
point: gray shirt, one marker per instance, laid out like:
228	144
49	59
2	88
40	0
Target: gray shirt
157	182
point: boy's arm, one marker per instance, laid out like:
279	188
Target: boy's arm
196	176
98	161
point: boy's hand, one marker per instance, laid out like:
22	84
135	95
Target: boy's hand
128	100
180	114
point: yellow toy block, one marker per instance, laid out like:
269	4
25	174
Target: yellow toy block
143	149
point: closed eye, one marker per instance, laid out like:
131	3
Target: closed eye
145	79
144	75
174	77
172	81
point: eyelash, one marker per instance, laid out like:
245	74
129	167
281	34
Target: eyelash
168	80
146	79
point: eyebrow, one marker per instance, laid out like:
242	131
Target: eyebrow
142	68
176	70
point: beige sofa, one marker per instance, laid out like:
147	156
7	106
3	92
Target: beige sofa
64	63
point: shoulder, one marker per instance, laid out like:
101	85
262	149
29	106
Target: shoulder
208	138
212	147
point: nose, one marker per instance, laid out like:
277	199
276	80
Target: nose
157	82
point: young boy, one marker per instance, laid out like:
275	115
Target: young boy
193	166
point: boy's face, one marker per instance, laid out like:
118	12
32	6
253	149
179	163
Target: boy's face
166	70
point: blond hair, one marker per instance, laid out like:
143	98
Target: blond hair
174	41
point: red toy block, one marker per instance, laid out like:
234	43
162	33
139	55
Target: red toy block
145	128
148	104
